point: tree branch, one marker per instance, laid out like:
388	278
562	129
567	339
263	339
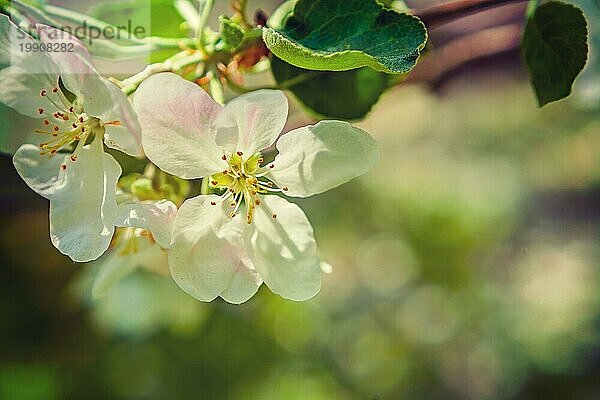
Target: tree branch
446	12
485	43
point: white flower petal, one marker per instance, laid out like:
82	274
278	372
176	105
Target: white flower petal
284	250
244	283
204	252
178	133
157	217
40	173
26	74
316	158
260	116
83	209
20	89
104	100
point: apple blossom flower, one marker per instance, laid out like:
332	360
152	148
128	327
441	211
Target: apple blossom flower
78	111
214	251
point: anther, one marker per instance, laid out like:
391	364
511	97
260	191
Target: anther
43	93
74	125
71	109
212	203
46	122
81	119
270	184
260	160
63	166
257	202
40	111
239	153
285	188
73	157
232	214
55	128
224	157
55	90
274	216
232	204
271	166
214	183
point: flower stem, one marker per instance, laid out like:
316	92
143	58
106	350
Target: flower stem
187	10
216	87
35	13
208	4
173	64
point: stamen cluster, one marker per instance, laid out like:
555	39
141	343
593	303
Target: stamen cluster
243	182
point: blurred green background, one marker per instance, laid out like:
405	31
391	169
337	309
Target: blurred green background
465	267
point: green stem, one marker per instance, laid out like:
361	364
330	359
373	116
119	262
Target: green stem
216	87
173	64
187	10
18	18
35	13
208	4
204	186
79	19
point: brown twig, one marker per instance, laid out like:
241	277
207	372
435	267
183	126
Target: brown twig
446	12
485	43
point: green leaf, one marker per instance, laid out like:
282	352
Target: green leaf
345	95
157	17
555	49
231	33
339	35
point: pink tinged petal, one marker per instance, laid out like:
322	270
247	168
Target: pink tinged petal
27	74
40	173
204	254
83	208
76	66
178	126
157	217
260	116
316	158
284	250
